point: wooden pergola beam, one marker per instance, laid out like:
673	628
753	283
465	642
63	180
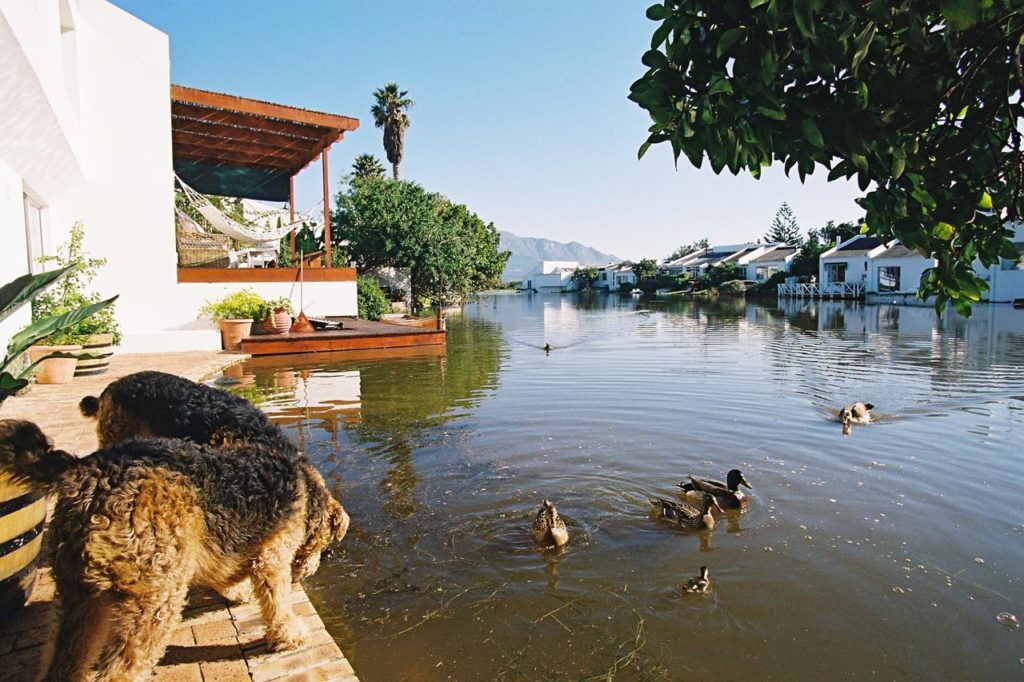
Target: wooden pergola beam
262	109
234	158
191	118
228	132
293	155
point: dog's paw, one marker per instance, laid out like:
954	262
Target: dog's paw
292	639
239	593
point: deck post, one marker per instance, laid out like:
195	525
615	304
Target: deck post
291	212
327	212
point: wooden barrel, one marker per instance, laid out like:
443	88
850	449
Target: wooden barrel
102	347
22	513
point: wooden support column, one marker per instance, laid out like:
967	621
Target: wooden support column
291	212
327	211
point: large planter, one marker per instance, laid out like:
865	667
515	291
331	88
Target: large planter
54	370
277	322
22	512
101	346
232	332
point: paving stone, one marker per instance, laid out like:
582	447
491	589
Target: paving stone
32	637
214	632
184	672
274	667
22	665
225	671
6	643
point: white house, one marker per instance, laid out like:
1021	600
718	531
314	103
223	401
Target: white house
1006	279
777	258
697	263
895	269
614	275
87	136
845	265
551	276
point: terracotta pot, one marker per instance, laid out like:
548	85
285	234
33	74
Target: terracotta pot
21	534
232	332
102	347
277	322
54	370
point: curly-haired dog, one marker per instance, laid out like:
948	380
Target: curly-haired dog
136	524
159	404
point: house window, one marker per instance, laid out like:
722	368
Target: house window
889	278
35	236
836	272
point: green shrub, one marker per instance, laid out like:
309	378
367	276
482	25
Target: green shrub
372	301
241	305
732	287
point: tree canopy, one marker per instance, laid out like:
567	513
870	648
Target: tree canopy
389	113
584	277
367	166
687	249
645	268
447	250
784	229
916	99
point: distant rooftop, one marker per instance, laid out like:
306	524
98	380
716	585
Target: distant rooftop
858	246
781	253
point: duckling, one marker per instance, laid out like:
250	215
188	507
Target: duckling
548	527
728	495
699	585
857	413
685	515
547	347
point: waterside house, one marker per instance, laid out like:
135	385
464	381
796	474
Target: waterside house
615	276
551	276
696	264
778	258
96	134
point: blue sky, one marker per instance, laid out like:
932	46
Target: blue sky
521	111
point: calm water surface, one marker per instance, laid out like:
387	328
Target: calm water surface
887	553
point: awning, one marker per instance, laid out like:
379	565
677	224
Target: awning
238	147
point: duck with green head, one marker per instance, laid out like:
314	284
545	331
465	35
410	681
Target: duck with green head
685	515
728	494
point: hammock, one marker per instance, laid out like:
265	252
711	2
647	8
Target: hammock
245	232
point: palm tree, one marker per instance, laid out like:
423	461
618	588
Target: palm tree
366	166
389	114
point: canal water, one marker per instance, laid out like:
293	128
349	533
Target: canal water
887	553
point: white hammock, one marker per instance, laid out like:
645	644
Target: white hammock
245	232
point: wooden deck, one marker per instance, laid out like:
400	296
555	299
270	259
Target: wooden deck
357	335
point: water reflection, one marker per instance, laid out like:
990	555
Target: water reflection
442	459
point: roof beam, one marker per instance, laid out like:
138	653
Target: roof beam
189	115
294	156
183	151
259	108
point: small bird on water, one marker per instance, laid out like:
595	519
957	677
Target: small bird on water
699	585
548	527
682	514
547	347
856	413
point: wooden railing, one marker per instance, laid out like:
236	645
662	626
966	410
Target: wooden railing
831	290
196	275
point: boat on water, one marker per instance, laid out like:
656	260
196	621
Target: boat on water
636	292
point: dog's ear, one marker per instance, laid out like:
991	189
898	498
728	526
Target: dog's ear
337	519
89	406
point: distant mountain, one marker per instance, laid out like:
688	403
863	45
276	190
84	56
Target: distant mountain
527	252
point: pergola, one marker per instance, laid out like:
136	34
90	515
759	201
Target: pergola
239	147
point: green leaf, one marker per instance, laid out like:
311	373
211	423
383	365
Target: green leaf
861	44
772	113
897	168
643	150
985	204
803	14
864	229
811	132
943	231
719	84
15	294
40	329
727	40
657	12
960	14
655	59
754	4
860	161
9	385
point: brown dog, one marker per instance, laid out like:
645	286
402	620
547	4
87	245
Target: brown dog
138	523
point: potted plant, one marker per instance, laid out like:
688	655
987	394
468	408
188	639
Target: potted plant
277	318
234	315
22	510
56	358
96	334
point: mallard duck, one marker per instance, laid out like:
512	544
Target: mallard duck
857	413
548	527
682	514
728	495
699	585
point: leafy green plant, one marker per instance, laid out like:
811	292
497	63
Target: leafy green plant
732	287
13	296
71	293
584	278
241	305
371	299
284	303
919	100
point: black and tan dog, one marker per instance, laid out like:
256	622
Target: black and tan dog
138	523
159	404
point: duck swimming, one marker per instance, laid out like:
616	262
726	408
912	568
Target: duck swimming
548	527
699	585
857	413
728	495
685	515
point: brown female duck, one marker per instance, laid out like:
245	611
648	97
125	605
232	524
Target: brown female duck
685	515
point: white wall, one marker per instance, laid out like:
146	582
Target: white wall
856	268
911	269
13	259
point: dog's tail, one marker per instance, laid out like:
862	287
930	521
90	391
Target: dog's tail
89	406
25	455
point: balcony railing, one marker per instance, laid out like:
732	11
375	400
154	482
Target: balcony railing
830	290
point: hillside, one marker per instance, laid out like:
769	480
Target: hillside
528	251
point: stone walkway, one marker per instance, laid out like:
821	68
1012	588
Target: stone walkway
216	641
